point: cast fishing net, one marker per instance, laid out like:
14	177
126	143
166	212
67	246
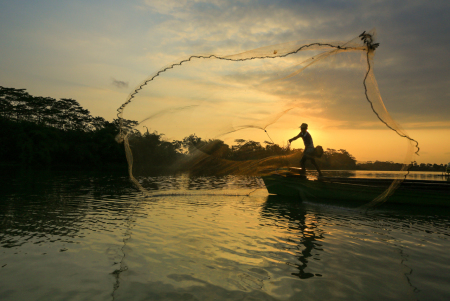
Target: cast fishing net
216	114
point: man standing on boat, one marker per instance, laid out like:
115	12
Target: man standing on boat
308	153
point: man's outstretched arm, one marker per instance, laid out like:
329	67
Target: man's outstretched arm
295	138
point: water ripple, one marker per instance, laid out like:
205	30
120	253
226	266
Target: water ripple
207	238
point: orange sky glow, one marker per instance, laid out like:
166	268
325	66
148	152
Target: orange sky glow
47	50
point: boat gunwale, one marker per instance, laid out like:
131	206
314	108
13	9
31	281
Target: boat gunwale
405	185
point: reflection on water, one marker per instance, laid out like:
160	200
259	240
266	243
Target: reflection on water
307	245
91	236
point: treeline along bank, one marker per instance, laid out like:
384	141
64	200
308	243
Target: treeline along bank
45	131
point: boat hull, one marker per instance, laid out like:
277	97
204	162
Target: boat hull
435	193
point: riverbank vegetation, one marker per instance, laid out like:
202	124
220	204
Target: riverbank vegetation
43	131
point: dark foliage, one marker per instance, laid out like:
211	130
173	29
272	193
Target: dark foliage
391	166
46	131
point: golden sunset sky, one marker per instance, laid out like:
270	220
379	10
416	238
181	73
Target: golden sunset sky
98	52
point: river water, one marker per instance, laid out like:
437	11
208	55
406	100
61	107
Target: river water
92	236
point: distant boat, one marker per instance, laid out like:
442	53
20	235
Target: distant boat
362	190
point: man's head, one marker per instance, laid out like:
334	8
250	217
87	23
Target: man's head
304	127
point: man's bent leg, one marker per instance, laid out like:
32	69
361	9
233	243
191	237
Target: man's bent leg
302	164
313	161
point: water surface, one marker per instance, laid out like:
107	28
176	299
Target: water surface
92	236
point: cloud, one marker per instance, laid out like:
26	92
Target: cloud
411	63
119	84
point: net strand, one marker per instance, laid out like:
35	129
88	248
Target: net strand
376	113
226	58
368	40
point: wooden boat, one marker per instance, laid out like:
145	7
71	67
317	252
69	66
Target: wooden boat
419	192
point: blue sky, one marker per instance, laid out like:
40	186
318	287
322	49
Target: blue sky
96	52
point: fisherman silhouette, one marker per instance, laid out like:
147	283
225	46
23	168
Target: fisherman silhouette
309	152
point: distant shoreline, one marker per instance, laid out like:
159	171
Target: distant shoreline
124	168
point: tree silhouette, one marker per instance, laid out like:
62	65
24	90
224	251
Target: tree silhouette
43	130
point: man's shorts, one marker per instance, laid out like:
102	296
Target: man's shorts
309	152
